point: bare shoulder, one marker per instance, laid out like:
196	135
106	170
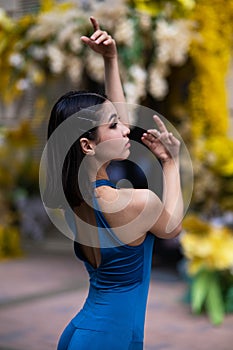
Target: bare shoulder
130	212
130	199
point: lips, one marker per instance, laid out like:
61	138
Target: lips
127	144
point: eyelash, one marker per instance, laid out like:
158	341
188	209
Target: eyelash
113	125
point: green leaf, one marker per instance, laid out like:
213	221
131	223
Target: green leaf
229	300
214	301
199	290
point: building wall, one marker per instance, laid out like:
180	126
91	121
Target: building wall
17	8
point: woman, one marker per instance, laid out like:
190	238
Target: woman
111	224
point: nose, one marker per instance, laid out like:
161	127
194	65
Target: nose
125	129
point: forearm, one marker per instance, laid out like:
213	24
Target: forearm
113	86
172	194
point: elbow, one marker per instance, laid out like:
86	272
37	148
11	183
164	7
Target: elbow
177	231
173	233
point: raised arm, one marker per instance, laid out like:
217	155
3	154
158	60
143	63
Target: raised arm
166	148
102	43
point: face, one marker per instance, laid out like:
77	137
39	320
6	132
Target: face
113	142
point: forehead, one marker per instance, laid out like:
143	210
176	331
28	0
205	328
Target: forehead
107	111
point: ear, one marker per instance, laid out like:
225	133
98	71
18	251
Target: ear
87	146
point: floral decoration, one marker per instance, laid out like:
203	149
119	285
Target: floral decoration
212	147
209	253
49	44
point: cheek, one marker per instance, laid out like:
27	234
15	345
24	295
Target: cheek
109	134
111	149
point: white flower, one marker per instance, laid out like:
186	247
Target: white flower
56	59
16	60
108	11
145	20
74	69
48	25
158	86
65	33
95	66
23	84
75	43
70	35
124	32
173	40
130	92
137	86
38	52
138	73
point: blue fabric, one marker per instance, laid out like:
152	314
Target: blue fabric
113	314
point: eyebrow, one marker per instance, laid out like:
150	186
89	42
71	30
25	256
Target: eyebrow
112	116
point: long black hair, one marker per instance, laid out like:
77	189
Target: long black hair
80	105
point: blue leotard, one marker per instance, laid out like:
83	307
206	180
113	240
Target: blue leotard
113	314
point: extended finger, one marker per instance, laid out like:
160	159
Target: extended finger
173	139
95	23
160	124
165	138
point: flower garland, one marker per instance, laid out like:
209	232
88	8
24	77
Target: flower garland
211	56
210	53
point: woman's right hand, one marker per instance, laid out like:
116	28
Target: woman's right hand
163	144
100	41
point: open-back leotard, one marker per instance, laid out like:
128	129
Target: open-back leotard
113	314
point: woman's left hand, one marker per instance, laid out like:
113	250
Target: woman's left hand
100	41
163	144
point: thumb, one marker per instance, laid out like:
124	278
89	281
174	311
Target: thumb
86	40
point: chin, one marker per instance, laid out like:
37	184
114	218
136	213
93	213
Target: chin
123	156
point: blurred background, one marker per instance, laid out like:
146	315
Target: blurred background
176	58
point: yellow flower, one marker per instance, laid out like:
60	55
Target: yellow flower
195	265
147	6
210	249
221	148
193	224
211	56
5	21
222	248
47	5
188	4
38	76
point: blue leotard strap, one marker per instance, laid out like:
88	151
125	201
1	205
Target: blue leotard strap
103	182
107	237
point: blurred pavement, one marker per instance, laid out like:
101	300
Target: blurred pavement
42	291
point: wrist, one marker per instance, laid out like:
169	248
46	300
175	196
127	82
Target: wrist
170	161
111	58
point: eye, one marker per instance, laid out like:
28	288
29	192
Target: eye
113	125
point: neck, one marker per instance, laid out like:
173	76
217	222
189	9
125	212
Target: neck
97	173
